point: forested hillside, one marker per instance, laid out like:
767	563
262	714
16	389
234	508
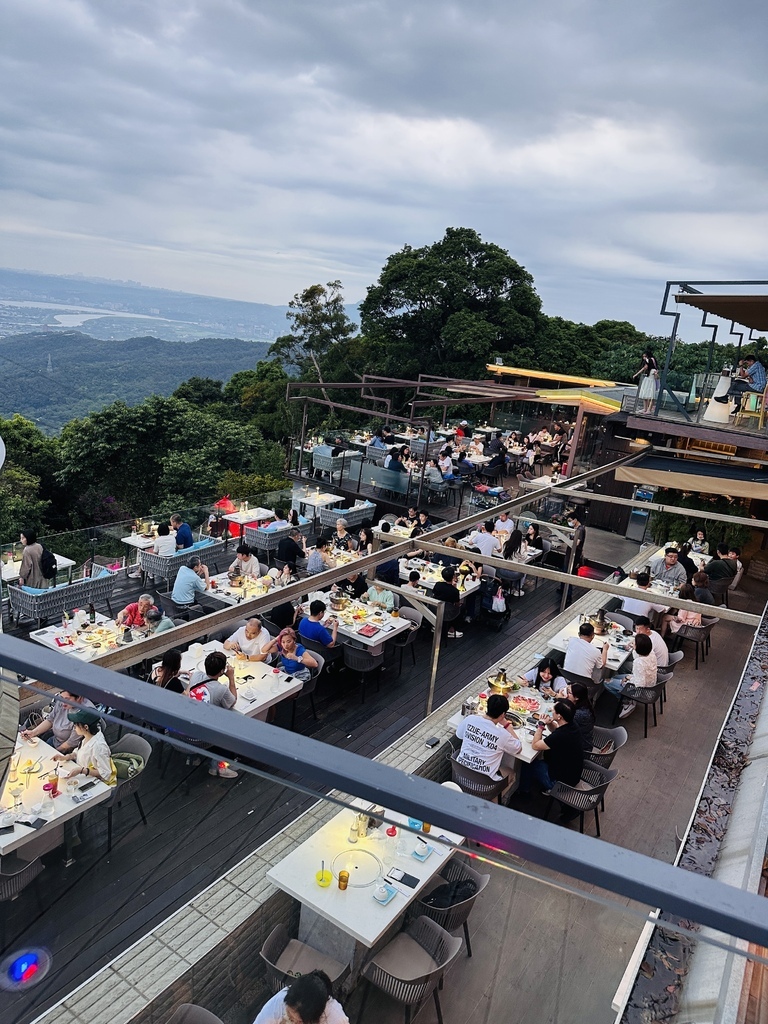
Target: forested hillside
87	374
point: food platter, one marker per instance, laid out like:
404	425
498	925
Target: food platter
525	705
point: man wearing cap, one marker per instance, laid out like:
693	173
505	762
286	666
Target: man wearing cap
93	758
460	431
56	722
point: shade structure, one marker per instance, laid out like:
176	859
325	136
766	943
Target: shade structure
560	378
748	310
698	477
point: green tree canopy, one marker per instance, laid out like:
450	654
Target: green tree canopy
449	307
200	391
318	321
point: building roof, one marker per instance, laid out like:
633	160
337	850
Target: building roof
748	310
562	378
700	477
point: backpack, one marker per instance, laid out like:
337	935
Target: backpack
451	893
48	565
126	764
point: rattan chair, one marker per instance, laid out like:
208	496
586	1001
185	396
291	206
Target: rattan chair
408	639
127	787
602	737
648	696
477	783
287	958
456	916
412	965
188	1013
362	662
586	795
15	876
698	635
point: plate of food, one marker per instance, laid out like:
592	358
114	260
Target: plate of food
527	705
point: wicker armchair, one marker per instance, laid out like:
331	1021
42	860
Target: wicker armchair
324	462
586	795
166	567
353	517
53	602
412	965
287	958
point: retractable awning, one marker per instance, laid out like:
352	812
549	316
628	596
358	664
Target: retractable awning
699	477
748	310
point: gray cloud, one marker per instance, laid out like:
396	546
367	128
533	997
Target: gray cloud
248	149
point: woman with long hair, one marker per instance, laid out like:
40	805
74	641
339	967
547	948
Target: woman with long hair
584	714
168	669
295	659
673	621
546	677
649	381
512	550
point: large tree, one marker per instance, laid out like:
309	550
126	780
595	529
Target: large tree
318	322
448	308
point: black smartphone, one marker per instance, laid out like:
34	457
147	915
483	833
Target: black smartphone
288	679
88	785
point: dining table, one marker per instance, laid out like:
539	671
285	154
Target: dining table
362	622
620	647
346	924
88	641
259	685
32	820
235	590
250	515
432	573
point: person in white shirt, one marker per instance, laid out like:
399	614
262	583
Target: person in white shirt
165	544
486	740
484	540
582	658
644	672
308	1000
638	605
475	446
504	524
660	649
248	642
246	562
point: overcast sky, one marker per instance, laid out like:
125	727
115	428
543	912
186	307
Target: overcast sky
248	149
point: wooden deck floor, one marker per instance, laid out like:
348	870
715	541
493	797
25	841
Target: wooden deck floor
524	955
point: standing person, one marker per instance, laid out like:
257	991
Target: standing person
31	570
184	538
577	543
488	742
649	381
749	380
308	1000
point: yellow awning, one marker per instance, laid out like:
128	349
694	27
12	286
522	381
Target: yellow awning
519	371
574	396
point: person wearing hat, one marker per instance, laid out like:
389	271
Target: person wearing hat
158	621
460	431
93	757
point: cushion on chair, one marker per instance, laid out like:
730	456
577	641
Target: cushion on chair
44	590
297	958
405	959
200	544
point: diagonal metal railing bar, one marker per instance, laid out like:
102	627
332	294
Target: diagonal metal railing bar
591	861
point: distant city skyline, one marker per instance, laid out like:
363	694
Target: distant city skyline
246	151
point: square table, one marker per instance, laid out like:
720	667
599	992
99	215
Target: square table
315	499
395	533
254	696
618	650
347	924
56	810
250	515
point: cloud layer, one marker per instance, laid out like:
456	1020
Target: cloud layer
249	149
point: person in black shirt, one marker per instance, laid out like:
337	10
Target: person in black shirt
700	583
293	548
721	567
446	590
353	586
684	559
559	740
410	519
